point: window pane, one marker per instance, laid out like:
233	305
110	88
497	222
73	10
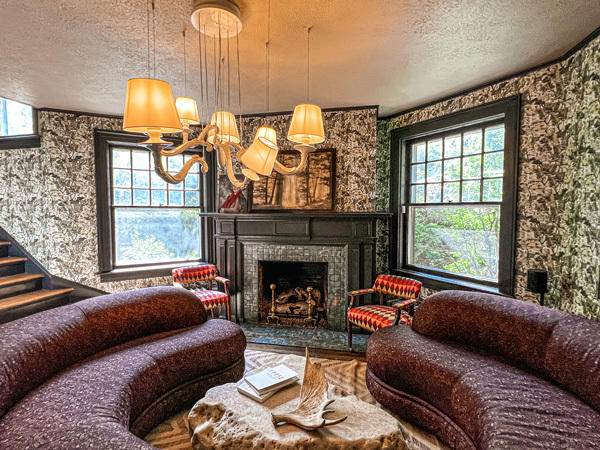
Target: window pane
462	240
141	179
434	150
175	198
121	178
418	173
451	192
472	142
156	235
192	199
418	194
141	159
472	167
434	171
175	187
494	138
121	158
158	182
122	197
493	164
16	119
192	181
434	193
140	197
159	198
452	146
471	191
418	152
175	163
492	190
452	169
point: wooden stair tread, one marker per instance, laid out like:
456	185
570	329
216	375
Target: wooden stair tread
19	278
31	297
11	260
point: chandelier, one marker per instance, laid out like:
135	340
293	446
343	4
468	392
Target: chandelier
151	109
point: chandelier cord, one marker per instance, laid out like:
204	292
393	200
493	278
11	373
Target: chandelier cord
148	31
228	76
206	76
153	40
268	45
201	78
237	47
308	63
184	65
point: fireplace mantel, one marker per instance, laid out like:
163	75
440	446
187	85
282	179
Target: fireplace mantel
354	233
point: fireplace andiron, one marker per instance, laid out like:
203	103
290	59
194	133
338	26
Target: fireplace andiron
272	315
310	320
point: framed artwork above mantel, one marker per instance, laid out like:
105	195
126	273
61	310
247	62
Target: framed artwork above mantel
312	189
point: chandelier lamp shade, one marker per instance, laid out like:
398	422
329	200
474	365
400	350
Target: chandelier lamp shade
150	108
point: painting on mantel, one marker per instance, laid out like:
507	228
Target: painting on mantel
312	189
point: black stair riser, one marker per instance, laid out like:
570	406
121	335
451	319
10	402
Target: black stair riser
21	288
26	310
12	269
3	251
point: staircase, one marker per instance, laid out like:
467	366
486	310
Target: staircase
23	293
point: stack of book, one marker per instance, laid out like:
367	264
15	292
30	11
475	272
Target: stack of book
265	384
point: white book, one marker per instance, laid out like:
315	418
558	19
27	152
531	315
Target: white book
272	378
248	391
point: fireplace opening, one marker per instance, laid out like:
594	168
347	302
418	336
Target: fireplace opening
299	297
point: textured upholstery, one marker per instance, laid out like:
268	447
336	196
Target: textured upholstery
397	286
372	317
465	374
149	353
212	299
194	274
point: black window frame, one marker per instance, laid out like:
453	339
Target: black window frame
104	140
33	140
507	109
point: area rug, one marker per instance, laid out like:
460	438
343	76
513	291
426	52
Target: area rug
347	376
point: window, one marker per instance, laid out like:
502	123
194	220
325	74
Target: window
456	198
18	125
144	222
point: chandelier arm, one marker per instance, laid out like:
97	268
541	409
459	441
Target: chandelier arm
157	154
304	151
200	140
226	149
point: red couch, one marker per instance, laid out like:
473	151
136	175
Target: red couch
484	372
101	373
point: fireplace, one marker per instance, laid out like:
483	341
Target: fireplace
293	293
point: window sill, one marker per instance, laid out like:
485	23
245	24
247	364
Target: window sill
137	273
16	142
441	283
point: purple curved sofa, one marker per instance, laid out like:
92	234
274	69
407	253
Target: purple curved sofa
101	373
486	372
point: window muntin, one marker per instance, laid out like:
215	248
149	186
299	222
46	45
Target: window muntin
16	119
153	221
455	185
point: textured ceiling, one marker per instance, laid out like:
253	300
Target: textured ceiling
79	54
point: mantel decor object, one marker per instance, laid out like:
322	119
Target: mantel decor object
313	401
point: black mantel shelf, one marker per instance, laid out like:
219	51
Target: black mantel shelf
303	215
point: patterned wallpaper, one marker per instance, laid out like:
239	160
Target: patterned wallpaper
48	198
559	168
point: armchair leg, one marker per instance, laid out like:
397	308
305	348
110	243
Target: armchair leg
229	310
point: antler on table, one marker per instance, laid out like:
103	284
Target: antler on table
313	401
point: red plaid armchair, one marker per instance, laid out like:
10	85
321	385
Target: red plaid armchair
373	317
193	278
